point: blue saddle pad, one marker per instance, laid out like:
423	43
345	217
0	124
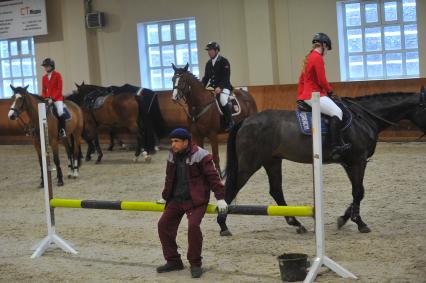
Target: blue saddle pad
67	113
305	122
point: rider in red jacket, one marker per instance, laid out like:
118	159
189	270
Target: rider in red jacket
52	91
313	79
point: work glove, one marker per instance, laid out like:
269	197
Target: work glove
222	206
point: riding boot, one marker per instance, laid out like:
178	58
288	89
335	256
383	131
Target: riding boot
228	116
337	143
61	126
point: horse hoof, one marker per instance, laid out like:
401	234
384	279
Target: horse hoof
364	229
110	148
226	233
88	158
301	230
41	186
340	222
148	158
60	183
98	161
135	159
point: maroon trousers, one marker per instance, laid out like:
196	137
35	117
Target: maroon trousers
168	226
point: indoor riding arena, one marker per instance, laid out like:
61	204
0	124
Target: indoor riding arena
110	66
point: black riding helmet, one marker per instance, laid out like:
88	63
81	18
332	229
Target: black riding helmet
48	62
322	38
212	45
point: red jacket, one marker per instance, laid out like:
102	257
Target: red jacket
52	88
313	79
202	176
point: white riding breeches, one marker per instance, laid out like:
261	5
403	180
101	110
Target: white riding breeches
224	96
59	107
328	107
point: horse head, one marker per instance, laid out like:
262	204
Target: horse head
18	105
181	86
418	116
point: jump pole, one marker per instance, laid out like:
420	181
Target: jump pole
52	237
321	258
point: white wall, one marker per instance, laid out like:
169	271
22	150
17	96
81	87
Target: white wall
265	40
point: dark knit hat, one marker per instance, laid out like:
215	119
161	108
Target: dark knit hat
180	133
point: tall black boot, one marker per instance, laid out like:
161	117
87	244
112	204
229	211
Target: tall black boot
337	143
228	116
61	127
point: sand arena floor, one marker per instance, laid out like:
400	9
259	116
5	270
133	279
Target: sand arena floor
123	246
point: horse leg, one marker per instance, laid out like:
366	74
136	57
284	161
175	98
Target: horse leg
139	142
355	173
98	148
246	170
59	175
111	139
90	145
41	171
274	171
67	145
215	153
75	155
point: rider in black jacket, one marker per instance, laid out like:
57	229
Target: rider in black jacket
217	75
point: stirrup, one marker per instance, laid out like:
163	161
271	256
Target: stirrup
62	133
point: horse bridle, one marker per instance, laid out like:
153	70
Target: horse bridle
183	95
27	127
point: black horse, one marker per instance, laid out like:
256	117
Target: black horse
272	135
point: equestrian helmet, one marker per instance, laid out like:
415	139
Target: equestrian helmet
322	38
48	62
212	45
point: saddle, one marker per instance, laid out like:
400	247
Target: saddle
54	111
96	98
236	109
304	117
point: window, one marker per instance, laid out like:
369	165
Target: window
164	43
379	39
17	65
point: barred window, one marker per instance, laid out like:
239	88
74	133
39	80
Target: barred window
378	39
163	43
17	65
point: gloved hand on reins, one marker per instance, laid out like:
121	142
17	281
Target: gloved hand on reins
49	101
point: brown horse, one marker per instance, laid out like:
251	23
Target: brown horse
23	101
204	118
117	111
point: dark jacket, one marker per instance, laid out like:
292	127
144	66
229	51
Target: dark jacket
202	176
219	74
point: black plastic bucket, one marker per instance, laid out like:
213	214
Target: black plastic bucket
293	266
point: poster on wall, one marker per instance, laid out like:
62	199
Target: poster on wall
21	18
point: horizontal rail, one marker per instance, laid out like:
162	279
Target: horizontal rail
267	210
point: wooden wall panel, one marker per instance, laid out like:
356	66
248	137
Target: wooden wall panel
267	97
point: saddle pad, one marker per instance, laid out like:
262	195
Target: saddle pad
236	109
67	113
305	122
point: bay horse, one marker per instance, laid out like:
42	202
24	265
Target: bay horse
124	110
204	118
268	137
25	102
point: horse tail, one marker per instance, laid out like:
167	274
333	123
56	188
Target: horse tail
157	118
146	131
231	171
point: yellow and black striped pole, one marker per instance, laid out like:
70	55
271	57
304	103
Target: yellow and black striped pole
267	210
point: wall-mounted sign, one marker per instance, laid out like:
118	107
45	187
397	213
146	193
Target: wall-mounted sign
21	18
